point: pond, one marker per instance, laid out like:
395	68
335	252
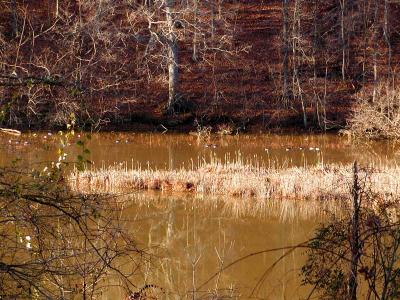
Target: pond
178	150
191	237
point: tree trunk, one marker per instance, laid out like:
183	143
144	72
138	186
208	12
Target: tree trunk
314	59
387	38
195	54
365	39
57	9
173	70
375	53
296	83
355	245
285	53
14	21
343	8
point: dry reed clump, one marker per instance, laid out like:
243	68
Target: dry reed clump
240	180
225	129
377	117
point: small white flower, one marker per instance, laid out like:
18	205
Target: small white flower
28	238
45	169
58	165
28	245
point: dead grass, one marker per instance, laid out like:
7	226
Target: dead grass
241	180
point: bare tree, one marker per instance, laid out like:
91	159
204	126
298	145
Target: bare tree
296	59
195	34
386	34
286	46
14	21
56	244
173	67
375	47
343	37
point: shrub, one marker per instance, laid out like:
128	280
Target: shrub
377	118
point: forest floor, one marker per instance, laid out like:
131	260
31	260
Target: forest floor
242	94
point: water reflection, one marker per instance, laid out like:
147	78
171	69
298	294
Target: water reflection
177	150
193	238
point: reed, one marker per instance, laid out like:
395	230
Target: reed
322	182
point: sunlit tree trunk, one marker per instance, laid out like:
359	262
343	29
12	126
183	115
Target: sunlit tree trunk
173	70
365	39
195	50
212	24
387	38
375	48
286	52
220	9
57	8
296	34
314	59
343	8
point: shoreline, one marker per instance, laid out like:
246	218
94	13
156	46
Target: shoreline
185	129
259	122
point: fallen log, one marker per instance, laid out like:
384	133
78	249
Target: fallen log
10	131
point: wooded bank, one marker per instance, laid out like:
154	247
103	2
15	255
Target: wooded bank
131	64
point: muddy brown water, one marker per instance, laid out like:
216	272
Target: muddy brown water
192	237
177	150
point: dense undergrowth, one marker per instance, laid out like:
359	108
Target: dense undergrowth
377	116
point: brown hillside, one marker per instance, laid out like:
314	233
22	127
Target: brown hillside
104	62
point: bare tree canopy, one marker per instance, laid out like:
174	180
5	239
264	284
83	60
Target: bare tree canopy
56	244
